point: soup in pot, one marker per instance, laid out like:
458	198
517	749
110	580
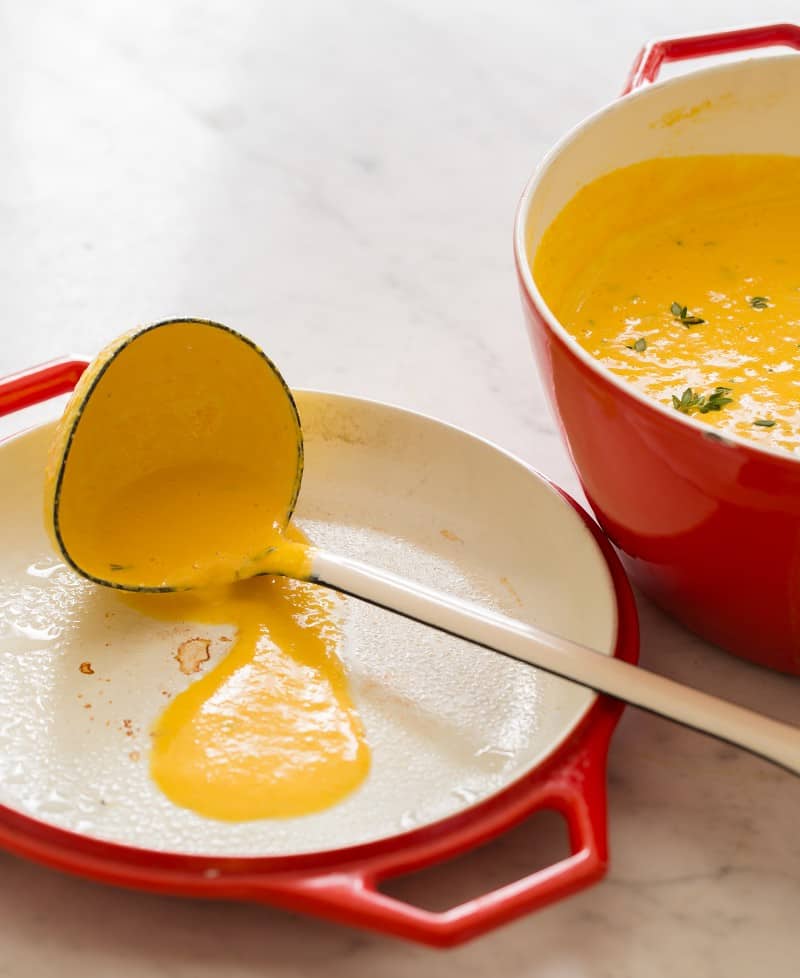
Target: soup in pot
682	276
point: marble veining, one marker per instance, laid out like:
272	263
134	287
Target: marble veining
339	181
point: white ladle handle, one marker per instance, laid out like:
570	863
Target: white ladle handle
770	739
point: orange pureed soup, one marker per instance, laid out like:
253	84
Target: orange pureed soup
682	275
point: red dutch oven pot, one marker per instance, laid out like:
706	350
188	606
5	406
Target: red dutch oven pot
707	526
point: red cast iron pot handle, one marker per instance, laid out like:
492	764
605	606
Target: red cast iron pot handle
571	783
654	54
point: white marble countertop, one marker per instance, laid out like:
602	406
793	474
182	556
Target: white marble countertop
339	181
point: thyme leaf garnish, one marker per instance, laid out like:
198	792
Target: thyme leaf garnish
682	314
691	400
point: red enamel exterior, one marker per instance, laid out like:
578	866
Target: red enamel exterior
342	884
708	528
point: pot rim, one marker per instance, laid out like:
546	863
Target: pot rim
531	289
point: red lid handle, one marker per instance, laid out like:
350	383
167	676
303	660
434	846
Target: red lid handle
649	60
39	384
351	894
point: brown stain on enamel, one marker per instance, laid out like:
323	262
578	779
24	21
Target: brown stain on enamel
511	590
192	654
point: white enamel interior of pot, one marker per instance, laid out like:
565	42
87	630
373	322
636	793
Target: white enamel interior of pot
449	724
749	106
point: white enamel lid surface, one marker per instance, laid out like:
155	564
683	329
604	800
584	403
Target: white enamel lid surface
449	724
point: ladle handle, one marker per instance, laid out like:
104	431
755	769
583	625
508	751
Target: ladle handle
774	741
